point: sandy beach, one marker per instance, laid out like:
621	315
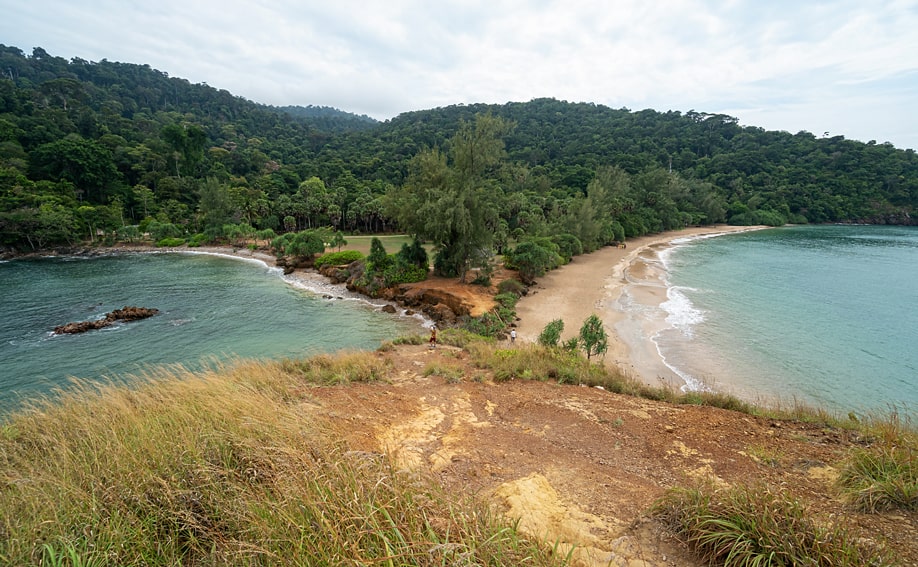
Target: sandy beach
594	283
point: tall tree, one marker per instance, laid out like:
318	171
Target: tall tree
452	201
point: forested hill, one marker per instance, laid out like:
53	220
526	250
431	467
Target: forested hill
91	148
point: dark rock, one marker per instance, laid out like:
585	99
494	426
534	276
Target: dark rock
123	314
388	308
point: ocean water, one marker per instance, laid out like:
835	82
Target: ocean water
825	315
210	306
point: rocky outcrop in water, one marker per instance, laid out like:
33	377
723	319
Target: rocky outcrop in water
123	314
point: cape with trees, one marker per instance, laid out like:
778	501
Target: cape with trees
102	150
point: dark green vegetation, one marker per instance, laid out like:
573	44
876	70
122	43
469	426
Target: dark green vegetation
98	151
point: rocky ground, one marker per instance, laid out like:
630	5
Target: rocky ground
581	465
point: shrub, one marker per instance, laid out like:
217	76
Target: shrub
398	272
487	325
551	334
568	246
170	242
513	286
414	254
338	258
533	258
198	239
507	300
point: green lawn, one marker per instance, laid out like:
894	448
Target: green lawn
391	242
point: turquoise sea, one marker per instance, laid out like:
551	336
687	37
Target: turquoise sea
825	315
210	306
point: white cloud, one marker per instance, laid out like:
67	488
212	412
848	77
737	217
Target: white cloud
843	66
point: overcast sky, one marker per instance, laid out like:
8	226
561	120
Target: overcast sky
842	67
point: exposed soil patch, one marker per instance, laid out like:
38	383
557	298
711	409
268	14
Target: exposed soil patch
580	465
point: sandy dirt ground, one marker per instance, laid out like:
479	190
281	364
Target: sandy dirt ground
581	466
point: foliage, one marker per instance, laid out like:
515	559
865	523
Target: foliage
303	244
170	242
447	200
487	325
750	526
378	259
385	270
881	477
87	146
533	258
551	334
511	285
568	246
414	254
593	338
338	258
398	272
338	240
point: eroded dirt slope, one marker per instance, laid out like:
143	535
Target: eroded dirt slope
581	465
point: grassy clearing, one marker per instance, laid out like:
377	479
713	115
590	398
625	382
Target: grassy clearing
224	467
391	242
758	526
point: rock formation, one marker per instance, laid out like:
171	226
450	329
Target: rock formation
124	314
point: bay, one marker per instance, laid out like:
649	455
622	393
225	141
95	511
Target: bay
824	315
211	307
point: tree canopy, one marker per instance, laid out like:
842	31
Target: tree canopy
89	147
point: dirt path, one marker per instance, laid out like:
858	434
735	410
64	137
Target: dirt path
580	465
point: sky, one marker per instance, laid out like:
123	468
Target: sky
839	67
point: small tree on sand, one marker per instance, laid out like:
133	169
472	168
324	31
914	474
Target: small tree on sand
551	334
593	338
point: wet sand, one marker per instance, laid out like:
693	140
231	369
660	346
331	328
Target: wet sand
595	283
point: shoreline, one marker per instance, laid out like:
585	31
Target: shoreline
601	283
310	281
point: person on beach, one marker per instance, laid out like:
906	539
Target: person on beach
433	337
512	336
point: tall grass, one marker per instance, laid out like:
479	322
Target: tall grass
226	466
759	526
883	475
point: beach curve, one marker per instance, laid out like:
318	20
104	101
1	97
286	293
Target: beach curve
593	284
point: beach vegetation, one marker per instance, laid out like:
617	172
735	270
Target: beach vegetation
448	198
512	285
414	254
299	245
533	258
568	246
490	324
593	339
170	242
338	240
382	270
551	334
746	526
341	258
225	466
